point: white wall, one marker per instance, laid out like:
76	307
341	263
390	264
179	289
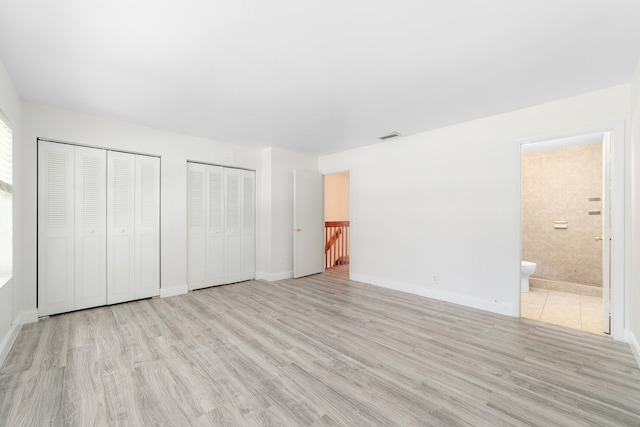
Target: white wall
336	197
174	150
633	302
445	203
10	111
278	210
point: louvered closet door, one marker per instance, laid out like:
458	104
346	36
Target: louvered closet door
248	225
147	227
196	226
233	225
90	228
56	224
215	226
120	227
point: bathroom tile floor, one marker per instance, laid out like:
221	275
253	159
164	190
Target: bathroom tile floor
562	308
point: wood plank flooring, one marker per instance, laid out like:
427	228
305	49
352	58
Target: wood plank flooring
318	351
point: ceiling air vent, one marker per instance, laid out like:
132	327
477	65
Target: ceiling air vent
390	136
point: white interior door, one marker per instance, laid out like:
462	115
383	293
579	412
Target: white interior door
90	228
147	227
308	223
56	223
606	233
120	227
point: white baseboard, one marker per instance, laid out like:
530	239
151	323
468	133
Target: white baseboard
635	347
8	341
26	316
439	294
273	277
174	291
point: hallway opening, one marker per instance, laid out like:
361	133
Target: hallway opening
337	225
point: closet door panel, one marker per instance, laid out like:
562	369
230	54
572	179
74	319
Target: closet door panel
248	225
215	226
147	227
196	226
56	224
90	228
233	226
120	227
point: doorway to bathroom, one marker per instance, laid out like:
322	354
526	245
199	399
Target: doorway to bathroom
565	231
337	224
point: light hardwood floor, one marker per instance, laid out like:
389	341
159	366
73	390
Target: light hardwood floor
316	351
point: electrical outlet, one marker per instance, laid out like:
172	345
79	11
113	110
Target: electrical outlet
435	279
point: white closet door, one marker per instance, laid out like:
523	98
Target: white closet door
215	226
90	228
233	226
147	227
120	227
196	226
55	228
248	225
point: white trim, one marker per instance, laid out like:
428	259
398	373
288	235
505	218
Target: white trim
619	286
4	280
8	341
173	291
635	347
26	316
438	294
274	277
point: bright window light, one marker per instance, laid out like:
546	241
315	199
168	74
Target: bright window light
6	203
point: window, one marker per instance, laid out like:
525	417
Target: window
6	203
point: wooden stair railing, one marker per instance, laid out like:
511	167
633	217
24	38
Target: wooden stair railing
336	243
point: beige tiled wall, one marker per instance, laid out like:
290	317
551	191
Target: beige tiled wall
556	186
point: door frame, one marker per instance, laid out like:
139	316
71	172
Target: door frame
353	219
324	194
618	266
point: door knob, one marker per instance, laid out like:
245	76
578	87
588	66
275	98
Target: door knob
297	230
598	238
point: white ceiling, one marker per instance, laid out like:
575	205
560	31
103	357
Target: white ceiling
314	76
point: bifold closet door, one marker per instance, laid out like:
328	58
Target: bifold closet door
248	226
56	224
221	225
147	227
71	228
239	225
215	226
206	238
90	228
120	227
133	227
233	225
196	226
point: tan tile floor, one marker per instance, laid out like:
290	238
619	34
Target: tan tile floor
561	308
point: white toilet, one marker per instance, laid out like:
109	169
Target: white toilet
526	269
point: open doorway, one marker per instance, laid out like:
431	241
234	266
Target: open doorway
565	206
337	226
